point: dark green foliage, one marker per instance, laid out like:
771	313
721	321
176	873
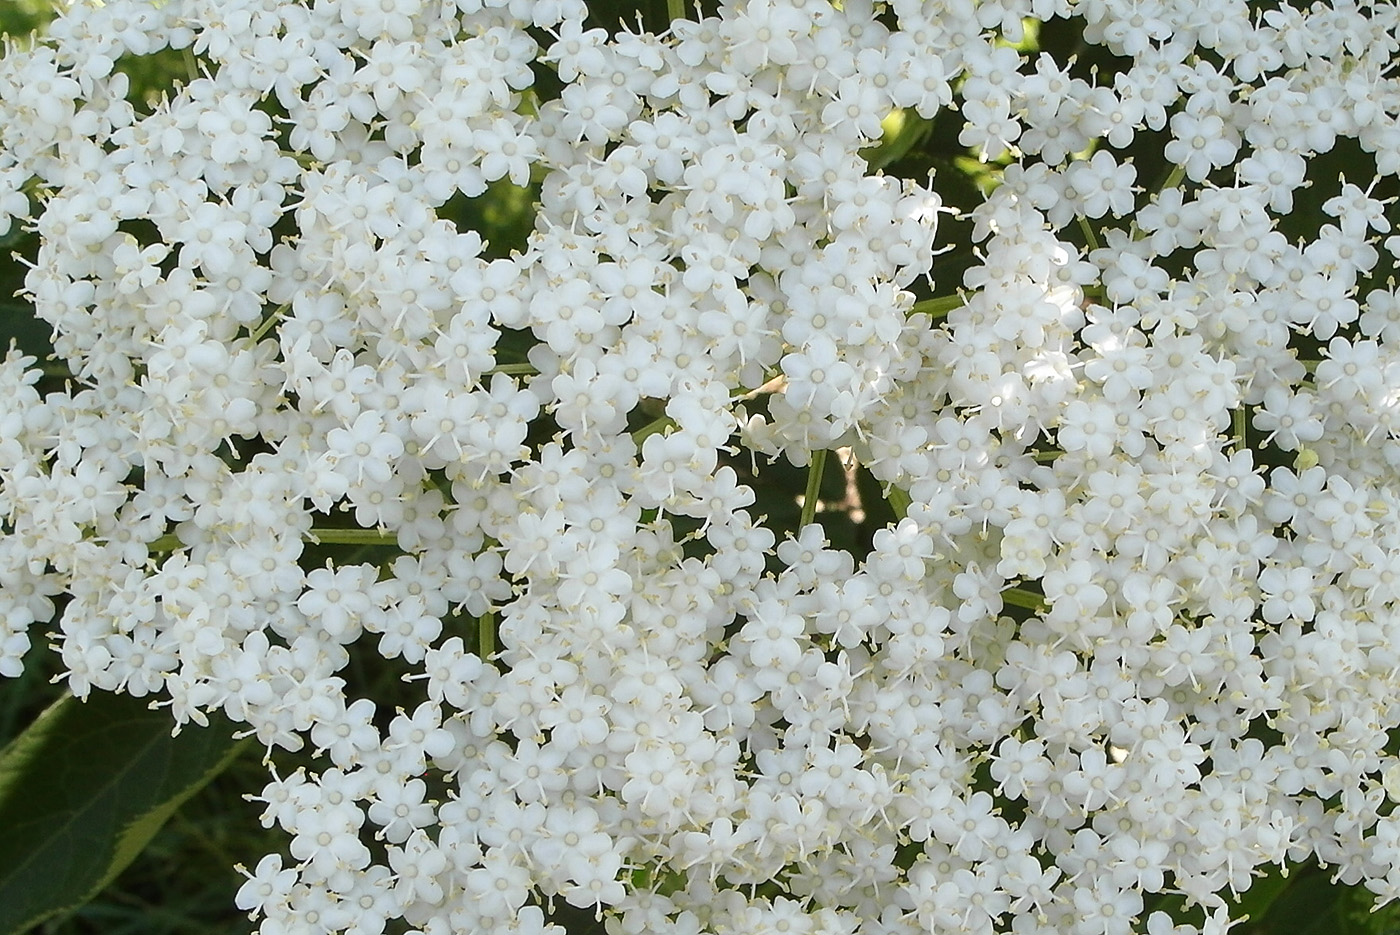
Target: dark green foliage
83	790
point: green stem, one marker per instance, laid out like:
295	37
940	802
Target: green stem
899	502
486	635
166	543
170	542
1020	597
651	428
354	537
268	322
938	307
1089	236
305	160
814	486
1174	177
675	9
1241	426
515	370
773	381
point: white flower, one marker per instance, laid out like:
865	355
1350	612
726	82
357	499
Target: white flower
271	319
1200	143
990	128
1102	185
268	886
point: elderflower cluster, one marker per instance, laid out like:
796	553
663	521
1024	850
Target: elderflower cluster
1133	631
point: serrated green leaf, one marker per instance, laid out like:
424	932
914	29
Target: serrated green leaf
84	789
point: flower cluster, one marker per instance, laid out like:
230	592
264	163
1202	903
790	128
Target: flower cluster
1133	630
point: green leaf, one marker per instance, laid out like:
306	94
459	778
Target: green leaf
18	323
898	500
83	790
1310	904
1254	903
902	130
